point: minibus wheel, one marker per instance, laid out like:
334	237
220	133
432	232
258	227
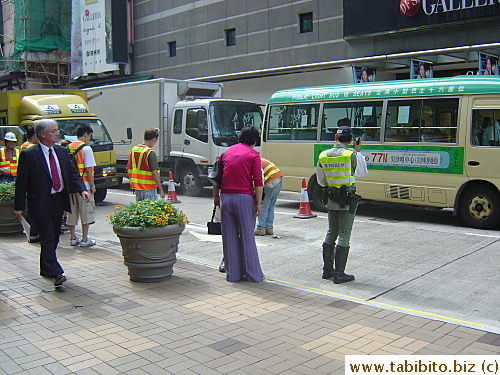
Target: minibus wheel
315	192
480	207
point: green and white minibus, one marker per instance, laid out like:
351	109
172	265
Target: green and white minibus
429	142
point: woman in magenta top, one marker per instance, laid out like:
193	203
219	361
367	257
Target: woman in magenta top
240	198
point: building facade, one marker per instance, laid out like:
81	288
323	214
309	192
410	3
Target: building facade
259	46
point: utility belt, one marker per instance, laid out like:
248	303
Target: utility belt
342	196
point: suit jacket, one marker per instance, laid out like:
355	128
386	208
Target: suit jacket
34	181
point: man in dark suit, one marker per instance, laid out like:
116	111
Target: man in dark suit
46	174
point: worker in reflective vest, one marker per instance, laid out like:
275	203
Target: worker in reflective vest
143	169
83	211
31	136
336	172
273	178
9	157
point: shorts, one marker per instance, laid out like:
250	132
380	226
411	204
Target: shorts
146	194
81	209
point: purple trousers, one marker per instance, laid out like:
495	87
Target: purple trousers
241	258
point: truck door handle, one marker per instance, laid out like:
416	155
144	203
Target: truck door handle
473	163
186	141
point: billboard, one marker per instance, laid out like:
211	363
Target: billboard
363	74
88	38
365	17
420	69
488	64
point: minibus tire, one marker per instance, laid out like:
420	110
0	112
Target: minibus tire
480	207
315	198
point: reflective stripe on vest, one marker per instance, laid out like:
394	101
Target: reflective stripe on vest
11	164
80	161
337	169
26	145
139	173
271	171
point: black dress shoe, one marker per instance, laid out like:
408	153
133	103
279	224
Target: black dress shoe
59	279
222	269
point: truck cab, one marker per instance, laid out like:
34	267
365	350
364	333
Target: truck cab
69	108
201	130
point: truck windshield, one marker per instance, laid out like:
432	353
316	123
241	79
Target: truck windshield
68	130
228	118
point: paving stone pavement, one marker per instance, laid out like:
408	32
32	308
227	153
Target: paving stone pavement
99	322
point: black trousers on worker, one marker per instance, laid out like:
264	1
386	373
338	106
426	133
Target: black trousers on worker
49	228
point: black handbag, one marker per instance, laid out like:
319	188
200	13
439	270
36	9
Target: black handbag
215	175
214	227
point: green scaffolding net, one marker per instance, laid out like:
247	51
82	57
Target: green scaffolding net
39	26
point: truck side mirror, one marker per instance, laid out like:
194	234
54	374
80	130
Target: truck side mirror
129	133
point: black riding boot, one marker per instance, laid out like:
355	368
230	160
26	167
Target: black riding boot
328	256
341	254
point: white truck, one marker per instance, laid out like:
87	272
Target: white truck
196	124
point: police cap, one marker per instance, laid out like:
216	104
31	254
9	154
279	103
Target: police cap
344	130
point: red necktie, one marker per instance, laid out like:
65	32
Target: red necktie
56	181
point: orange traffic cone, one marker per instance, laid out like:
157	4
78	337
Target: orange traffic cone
172	196
304	209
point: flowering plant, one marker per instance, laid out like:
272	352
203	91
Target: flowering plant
7	191
147	214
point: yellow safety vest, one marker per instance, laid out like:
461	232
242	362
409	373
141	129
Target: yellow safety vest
26	145
11	164
271	171
80	161
138	170
337	169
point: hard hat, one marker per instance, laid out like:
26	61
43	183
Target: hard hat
9	136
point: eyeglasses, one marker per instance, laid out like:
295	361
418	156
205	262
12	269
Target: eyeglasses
55	131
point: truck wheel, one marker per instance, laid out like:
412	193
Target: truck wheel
190	181
100	194
480	207
315	197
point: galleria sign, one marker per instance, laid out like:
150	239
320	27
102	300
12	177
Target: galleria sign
441	6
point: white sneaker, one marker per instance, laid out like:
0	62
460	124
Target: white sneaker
74	241
87	243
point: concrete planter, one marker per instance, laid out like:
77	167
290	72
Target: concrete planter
9	223
149	254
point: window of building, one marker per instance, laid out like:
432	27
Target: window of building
230	37
172	48
306	22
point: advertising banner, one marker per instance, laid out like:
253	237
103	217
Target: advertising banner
420	69
362	74
89	38
488	65
423	159
363	17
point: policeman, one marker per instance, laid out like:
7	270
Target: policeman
336	172
9	157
